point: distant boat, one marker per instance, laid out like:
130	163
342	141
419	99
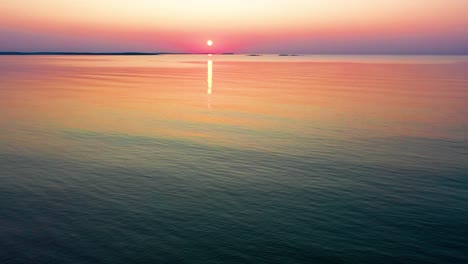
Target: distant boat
253	55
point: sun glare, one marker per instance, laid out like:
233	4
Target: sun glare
209	43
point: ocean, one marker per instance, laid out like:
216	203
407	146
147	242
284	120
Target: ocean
233	159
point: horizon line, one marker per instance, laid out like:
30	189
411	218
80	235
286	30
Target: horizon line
135	53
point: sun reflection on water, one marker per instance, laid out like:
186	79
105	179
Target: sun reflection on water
209	81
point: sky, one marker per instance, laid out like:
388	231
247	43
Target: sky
241	26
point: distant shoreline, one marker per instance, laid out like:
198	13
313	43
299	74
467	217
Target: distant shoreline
106	53
206	53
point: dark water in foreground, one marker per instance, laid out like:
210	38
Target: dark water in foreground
233	159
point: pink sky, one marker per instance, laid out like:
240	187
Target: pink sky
260	26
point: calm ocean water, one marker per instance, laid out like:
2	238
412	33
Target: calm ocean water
233	159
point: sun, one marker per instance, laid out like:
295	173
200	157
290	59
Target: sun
209	43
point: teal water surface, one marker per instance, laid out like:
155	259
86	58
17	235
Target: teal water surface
233	159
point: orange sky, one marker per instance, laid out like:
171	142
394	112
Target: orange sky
297	26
